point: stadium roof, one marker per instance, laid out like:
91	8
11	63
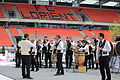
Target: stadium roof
115	3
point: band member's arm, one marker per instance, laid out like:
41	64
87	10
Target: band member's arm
93	47
73	44
32	44
97	53
19	44
85	48
107	47
41	46
60	46
65	44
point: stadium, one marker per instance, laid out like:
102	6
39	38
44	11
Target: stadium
39	18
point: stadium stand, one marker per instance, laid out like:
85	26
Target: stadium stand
101	15
46	12
56	13
87	32
51	31
106	32
24	10
1	13
14	31
4	38
29	11
8	7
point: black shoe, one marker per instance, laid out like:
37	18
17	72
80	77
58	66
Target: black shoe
50	66
17	66
24	76
57	74
46	67
29	77
108	79
37	70
62	74
96	68
31	70
89	68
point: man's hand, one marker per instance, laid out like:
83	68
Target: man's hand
100	48
97	61
55	48
34	57
32	41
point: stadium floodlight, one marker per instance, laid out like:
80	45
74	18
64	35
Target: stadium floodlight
110	3
89	2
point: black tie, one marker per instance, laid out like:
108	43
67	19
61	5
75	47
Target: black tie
100	43
100	47
49	46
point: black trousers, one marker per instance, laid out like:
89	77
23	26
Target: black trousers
104	66
48	57
95	59
38	58
34	63
91	61
69	58
87	58
44	50
59	63
18	59
26	63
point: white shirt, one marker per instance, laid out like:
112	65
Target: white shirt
40	44
28	44
25	46
51	44
60	46
45	43
86	48
106	48
72	44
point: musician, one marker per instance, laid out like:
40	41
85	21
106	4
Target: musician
33	52
85	48
39	52
103	49
59	51
117	56
50	48
44	49
79	44
25	46
18	57
69	52
95	39
91	51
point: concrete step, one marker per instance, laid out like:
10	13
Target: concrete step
20	32
10	36
82	33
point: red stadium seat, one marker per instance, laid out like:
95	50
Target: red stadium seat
107	34
101	15
87	32
14	31
1	13
8	7
4	38
50	31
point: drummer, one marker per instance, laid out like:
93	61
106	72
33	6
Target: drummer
85	48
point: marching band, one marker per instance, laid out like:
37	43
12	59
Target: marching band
42	53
